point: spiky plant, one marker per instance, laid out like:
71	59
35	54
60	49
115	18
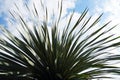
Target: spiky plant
76	53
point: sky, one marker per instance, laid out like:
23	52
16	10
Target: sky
110	8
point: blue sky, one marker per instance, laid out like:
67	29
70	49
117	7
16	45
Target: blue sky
82	4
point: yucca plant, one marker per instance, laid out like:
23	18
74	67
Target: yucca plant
76	53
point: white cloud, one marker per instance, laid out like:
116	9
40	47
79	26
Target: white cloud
111	8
